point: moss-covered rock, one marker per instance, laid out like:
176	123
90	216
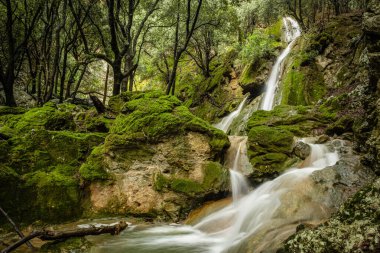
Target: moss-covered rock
46	117
156	116
214	177
57	193
272	134
303	83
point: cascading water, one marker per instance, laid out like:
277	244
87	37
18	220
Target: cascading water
226	122
293	31
252	217
255	220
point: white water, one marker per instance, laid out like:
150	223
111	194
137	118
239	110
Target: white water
226	122
239	183
292	32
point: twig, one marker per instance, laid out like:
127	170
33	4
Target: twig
18	231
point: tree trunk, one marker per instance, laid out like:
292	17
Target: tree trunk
79	82
171	83
106	85
8	90
63	75
48	235
117	78
131	80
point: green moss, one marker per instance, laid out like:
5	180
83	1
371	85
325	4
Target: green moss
57	193
5	110
46	117
264	139
269	164
40	149
215	178
94	167
303	83
186	186
6	132
160	182
151	118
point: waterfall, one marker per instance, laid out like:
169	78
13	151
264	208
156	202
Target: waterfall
261	217
226	122
292	32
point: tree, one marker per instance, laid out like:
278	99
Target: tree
120	39
18	29
182	35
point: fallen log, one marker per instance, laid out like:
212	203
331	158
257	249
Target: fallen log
51	235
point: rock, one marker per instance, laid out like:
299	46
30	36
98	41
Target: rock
322	139
164	180
254	77
302	150
271	136
371	23
354	228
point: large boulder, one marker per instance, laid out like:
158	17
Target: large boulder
272	137
159	161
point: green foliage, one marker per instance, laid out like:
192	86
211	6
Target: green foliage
275	30
258	45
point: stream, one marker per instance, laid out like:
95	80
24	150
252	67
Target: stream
256	220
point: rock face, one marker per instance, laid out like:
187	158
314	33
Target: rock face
352	77
354	228
155	160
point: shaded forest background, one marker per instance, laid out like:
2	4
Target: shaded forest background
67	49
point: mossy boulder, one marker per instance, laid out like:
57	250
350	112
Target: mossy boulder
303	83
42	169
46	117
156	116
215	177
272	134
57	193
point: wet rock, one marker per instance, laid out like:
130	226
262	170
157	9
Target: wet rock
302	150
322	139
354	228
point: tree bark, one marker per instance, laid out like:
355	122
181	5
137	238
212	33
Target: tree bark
49	235
106	84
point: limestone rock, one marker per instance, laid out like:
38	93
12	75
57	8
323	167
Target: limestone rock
302	150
